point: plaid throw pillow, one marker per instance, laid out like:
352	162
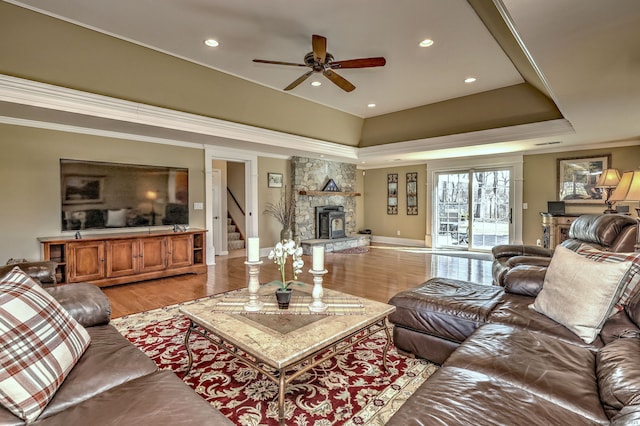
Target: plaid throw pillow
39	344
632	279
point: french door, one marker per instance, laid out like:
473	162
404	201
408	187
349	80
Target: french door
473	209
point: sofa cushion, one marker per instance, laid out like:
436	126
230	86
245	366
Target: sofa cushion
536	362
158	399
579	293
514	310
632	279
451	309
619	374
109	361
457	396
41	343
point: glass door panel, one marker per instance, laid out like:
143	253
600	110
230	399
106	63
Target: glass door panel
472	209
452	210
491	208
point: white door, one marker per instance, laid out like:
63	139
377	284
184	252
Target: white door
216	211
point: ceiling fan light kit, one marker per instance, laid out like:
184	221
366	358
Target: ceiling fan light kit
322	62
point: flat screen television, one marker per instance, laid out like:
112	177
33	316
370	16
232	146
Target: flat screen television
100	195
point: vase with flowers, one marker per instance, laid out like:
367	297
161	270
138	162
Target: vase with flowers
280	253
283	211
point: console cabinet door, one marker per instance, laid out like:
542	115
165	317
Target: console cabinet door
122	257
180	251
153	254
86	261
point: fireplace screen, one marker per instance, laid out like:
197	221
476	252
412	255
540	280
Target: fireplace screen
330	222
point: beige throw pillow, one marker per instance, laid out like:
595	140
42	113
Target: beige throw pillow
579	293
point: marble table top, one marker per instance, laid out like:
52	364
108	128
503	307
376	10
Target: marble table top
282	340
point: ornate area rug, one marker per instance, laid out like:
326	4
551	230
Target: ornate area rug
349	389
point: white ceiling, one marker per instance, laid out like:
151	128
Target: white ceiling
588	51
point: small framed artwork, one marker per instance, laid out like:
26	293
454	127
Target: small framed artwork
412	194
274	180
577	179
392	193
82	189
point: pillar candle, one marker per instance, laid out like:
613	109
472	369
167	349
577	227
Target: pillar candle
253	251
318	258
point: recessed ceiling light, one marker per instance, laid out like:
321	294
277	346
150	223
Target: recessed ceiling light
470	80
211	42
426	42
371	105
316	83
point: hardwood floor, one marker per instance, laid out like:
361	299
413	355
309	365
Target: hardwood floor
376	275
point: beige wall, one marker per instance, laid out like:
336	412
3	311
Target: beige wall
540	183
539	186
30	176
375	204
269	227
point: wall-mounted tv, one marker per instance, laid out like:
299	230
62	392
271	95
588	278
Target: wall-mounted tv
99	195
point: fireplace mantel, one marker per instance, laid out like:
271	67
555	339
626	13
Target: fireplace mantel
329	193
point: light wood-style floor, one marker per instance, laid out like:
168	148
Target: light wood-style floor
376	275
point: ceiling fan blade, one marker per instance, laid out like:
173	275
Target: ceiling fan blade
298	81
319	44
262	61
339	81
359	63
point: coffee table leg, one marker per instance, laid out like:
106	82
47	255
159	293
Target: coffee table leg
386	346
186	344
281	388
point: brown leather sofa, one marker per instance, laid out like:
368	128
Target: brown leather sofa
526	265
114	383
506	364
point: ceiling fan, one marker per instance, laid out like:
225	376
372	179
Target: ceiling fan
321	61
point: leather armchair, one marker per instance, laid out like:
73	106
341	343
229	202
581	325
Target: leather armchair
521	268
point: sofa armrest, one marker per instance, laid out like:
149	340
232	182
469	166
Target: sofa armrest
44	272
85	302
510	250
526	280
528	261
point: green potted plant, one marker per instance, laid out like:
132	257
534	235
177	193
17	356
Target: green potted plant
283	210
279	255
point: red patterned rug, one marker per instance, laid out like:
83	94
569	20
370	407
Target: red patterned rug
349	389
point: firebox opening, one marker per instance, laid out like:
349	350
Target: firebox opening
330	222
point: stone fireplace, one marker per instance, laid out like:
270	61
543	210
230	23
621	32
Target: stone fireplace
311	174
330	222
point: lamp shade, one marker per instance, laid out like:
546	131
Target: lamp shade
629	187
609	178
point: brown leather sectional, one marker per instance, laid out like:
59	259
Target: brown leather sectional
506	364
525	266
114	383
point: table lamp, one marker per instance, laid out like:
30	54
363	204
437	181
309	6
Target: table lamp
629	190
609	179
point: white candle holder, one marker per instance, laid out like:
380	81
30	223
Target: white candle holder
317	305
253	305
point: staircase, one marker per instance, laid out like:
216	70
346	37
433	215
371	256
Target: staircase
234	239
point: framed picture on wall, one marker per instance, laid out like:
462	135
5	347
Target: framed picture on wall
577	179
82	189
274	180
392	193
412	193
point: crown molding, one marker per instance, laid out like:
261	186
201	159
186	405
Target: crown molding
481	137
42	95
